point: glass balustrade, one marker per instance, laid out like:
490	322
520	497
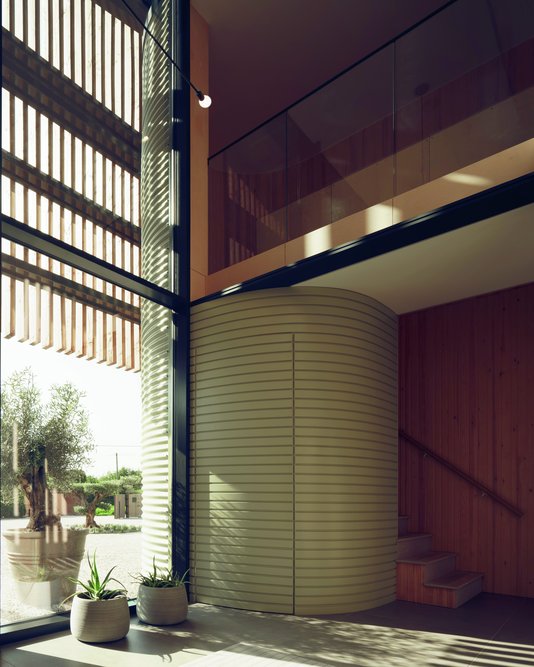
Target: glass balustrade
428	119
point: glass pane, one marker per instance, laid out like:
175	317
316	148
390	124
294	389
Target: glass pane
71	432
340	146
247	196
469	96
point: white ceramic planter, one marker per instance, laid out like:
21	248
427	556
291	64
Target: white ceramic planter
162	606
96	621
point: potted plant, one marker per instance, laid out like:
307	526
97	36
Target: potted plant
43	445
99	614
161	598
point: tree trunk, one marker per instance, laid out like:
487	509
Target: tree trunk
90	511
90	519
35	490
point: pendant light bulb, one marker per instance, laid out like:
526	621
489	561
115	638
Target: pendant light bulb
204	100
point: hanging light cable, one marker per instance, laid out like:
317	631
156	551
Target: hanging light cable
203	99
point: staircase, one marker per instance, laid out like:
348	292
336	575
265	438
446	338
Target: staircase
431	577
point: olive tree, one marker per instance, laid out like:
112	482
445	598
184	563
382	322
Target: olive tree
91	491
90	494
43	443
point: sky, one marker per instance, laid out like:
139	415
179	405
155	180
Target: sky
113	399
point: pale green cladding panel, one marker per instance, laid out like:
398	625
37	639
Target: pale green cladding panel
156	322
294	451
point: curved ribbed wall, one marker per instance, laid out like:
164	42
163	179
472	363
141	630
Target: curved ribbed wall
294	451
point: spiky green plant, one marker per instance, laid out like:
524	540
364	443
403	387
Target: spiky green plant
160	578
95	588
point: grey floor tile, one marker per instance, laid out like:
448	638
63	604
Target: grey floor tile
518	630
505	656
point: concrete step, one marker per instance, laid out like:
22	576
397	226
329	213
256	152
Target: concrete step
457	587
434	564
403	525
413	544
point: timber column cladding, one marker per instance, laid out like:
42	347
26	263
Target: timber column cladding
294	451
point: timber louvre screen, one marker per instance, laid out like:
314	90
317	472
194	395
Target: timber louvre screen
70	77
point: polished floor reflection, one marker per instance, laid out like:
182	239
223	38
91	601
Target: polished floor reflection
489	630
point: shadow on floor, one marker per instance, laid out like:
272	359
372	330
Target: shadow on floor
489	630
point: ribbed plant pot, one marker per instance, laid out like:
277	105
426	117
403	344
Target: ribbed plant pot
43	562
97	621
162	606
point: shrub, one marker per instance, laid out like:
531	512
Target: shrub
7	509
109	528
105	509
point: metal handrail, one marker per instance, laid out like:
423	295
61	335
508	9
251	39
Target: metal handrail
465	476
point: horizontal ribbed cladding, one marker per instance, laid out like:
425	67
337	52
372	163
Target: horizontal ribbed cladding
156	149
156	329
241	462
293	456
155	457
345	457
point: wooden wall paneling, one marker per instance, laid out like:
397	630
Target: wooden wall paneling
217	256
524	374
507	402
482	376
473	361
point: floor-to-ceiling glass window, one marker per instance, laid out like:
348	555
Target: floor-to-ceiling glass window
78	385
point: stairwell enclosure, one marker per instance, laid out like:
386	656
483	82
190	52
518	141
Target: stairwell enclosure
294	451
466	390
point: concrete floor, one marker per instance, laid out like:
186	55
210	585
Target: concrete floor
490	630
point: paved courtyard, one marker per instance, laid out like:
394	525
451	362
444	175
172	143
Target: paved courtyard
120	549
